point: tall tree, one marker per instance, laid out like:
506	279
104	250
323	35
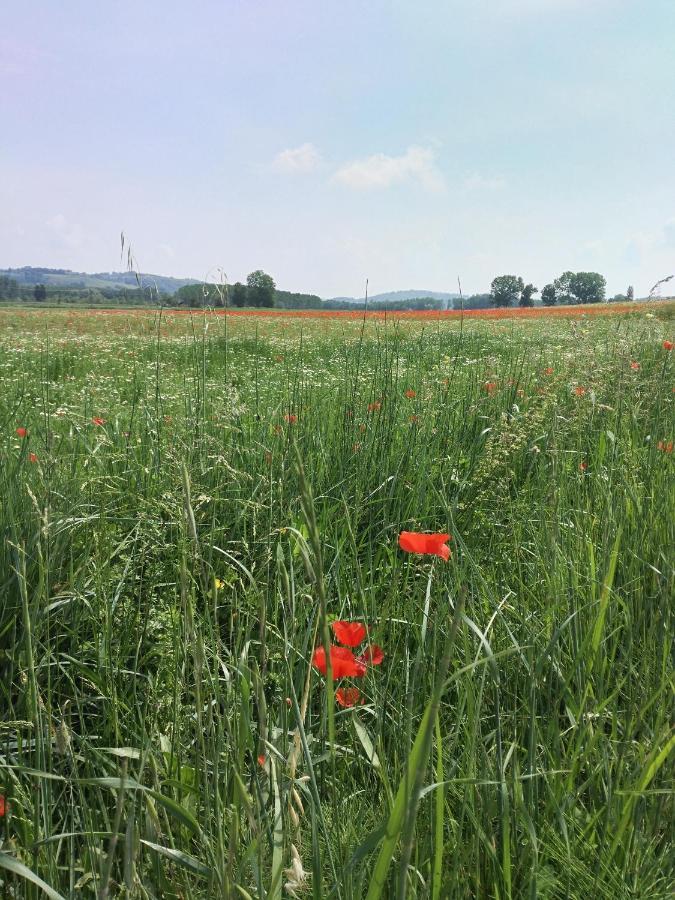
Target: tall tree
563	288
506	289
527	295
588	287
630	293
548	295
260	288
40	293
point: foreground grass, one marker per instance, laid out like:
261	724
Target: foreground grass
163	573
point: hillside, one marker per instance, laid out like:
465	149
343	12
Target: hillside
65	278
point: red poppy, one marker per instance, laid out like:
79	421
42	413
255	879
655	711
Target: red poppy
583	466
97	420
22	432
3	806
373	655
667	345
635	366
291	418
434	544
261	760
548	371
666	447
32	457
579	391
410	394
348	696
374	406
343	661
349	633
490	386
414	420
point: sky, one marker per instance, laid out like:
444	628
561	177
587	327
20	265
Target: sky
407	142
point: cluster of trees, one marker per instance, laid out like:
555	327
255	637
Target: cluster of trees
9	288
259	290
570	287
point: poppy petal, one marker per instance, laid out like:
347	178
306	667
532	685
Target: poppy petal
416	542
351	634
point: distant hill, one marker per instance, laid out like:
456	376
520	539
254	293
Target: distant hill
400	297
65	278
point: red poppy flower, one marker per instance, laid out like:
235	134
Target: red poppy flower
635	366
374	406
579	391
261	760
373	655
414	420
348	696
667	345
32	457
548	371
490	386
97	420
410	394
583	466
3	806
22	432
349	633
291	418
343	661
666	447
434	544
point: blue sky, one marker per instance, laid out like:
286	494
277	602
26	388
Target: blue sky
329	142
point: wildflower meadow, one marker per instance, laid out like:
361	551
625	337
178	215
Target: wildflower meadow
337	606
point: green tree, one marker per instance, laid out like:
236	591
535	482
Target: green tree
527	295
588	287
630	293
563	288
40	293
239	294
506	289
548	295
260	288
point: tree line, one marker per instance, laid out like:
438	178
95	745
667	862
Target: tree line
570	287
260	291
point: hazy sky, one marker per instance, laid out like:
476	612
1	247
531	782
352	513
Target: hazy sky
408	141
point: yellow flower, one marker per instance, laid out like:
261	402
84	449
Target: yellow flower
218	583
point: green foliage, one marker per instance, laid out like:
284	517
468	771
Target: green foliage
9	288
549	295
506	289
238	295
527	295
39	293
260	289
580	287
197	296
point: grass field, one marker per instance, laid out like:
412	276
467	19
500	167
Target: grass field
191	502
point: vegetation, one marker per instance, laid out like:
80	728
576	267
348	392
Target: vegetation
189	504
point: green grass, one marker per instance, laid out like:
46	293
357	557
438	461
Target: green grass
165	577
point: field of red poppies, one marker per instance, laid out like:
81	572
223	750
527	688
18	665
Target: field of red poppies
298	605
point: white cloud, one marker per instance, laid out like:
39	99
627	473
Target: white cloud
382	171
478	182
304	158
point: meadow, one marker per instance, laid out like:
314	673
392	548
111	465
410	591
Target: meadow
188	506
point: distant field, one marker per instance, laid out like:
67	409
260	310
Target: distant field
189	502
